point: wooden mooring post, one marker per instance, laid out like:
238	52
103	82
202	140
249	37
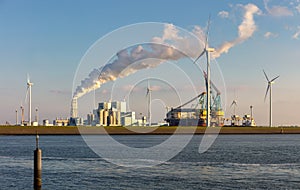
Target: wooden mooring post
37	178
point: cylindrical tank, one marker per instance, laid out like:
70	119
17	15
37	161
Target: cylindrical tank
105	114
101	117
118	118
114	119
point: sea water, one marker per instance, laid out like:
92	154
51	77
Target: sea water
232	162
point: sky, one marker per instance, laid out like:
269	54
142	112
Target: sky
49	39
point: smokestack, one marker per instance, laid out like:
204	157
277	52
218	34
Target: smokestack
74	108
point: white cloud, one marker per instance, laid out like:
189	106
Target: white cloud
128	87
297	34
268	35
277	10
223	14
245	29
298	8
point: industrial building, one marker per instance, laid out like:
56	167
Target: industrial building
107	114
61	122
113	114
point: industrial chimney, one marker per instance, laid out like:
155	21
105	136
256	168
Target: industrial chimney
74	108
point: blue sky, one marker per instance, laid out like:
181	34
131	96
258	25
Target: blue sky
47	39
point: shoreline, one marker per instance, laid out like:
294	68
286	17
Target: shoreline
82	130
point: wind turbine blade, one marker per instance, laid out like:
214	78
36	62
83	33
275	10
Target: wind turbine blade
267	91
206	41
234	103
199	56
207	31
266	76
274	78
28	78
26	95
148	88
204	74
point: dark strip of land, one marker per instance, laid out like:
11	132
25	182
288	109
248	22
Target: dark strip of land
70	130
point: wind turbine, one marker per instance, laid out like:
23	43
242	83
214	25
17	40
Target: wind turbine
29	85
148	94
269	88
234	104
207	50
234	118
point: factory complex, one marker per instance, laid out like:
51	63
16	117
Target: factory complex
115	113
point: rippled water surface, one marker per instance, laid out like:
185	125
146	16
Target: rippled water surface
233	162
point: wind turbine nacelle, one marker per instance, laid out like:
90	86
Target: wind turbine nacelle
210	49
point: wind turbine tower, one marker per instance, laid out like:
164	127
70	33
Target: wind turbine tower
29	85
149	102
16	116
22	115
269	89
207	50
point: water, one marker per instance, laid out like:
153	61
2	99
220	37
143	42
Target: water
233	162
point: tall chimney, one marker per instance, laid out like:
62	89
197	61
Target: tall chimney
74	108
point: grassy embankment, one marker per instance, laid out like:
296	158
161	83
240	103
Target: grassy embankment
70	130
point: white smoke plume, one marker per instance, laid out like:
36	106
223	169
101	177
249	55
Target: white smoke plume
130	60
127	62
245	30
149	55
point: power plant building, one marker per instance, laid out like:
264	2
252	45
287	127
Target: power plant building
113	114
107	114
128	119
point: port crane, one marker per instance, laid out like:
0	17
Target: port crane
182	115
200	96
216	105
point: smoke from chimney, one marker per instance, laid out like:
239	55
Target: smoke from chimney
150	55
143	56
